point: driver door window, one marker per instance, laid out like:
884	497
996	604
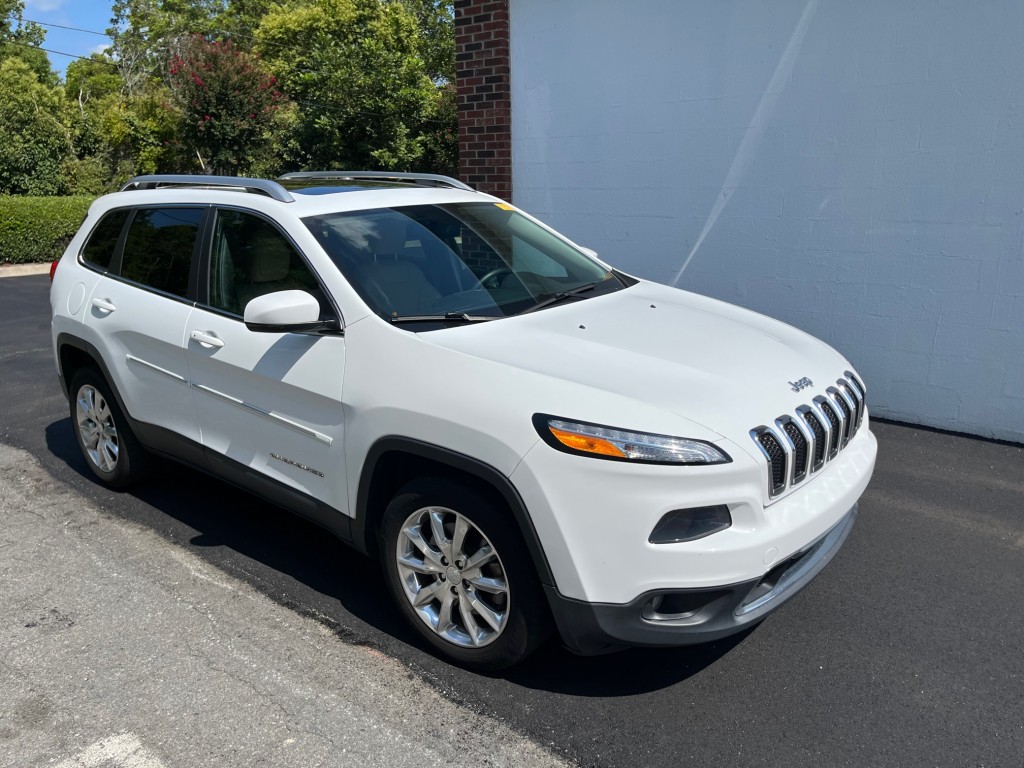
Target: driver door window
250	258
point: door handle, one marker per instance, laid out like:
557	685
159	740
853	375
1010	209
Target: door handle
207	339
104	305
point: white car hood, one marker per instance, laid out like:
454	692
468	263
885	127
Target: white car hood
726	368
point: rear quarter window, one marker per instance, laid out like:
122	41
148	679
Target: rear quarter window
99	249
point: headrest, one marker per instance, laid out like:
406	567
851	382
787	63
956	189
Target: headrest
389	239
269	257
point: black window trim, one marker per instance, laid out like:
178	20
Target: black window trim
114	272
115	257
202	292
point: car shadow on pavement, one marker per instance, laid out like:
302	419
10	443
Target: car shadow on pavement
623	673
310	571
233	530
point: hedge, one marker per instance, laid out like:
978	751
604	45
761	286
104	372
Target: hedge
38	229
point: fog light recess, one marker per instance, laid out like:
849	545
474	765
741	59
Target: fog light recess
686	607
681	525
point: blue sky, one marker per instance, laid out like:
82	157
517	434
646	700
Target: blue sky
84	14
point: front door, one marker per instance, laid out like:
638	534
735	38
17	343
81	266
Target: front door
270	402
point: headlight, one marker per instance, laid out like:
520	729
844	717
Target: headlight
620	445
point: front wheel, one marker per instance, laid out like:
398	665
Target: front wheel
459	572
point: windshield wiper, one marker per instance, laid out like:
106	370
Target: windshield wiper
447	317
560	296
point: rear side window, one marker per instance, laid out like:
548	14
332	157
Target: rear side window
159	246
99	251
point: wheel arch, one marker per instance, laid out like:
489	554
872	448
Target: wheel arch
74	353
393	461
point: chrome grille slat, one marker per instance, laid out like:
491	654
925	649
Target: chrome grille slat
819	437
832	417
790	430
845	413
798	447
848	392
858	390
775	451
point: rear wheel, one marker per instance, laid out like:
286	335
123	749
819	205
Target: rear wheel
110	448
459	572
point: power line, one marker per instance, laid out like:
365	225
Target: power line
59	53
61	26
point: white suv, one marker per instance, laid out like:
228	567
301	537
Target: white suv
522	434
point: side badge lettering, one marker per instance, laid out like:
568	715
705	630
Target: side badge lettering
288	461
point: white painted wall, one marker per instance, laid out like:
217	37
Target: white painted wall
870	159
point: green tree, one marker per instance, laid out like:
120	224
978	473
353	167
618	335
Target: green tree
91	78
226	101
115	134
87	83
92	87
147	34
436	22
14	28
357	71
21	39
239	20
36	140
441	135
371	82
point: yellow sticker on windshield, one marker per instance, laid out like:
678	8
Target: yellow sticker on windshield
504	206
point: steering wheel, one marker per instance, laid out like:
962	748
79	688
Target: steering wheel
495	277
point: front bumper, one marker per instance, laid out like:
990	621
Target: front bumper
690	616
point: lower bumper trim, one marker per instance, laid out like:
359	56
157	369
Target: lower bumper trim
692	616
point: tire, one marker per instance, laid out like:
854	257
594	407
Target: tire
109	446
460	573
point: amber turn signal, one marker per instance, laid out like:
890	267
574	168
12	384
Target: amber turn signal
586	443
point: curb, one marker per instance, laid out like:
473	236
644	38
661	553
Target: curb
17	270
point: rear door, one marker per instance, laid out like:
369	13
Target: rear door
139	309
267	402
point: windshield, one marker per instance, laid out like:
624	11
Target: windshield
426	262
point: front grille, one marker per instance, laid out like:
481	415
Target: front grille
798	447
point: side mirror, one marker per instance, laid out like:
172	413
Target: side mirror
285	312
589	251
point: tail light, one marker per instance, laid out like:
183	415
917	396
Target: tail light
53	268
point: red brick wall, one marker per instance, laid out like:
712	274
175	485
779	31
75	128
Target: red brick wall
485	109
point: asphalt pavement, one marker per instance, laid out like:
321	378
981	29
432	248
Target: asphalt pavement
908	650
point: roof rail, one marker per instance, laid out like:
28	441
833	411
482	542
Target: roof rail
423	179
258	186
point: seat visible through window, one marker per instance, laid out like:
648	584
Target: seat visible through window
390	273
251	258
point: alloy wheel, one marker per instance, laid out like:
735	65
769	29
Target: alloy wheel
453	577
96	428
